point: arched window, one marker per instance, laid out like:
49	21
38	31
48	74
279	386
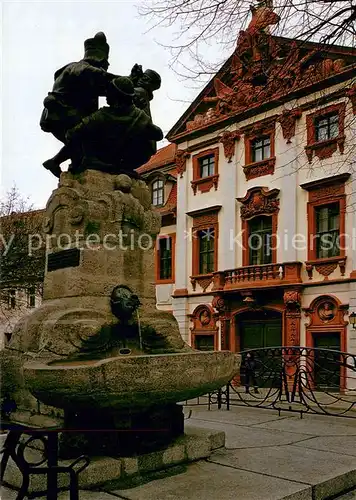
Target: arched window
158	192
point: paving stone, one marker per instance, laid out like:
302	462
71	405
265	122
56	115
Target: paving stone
238	436
238	415
7	494
207	481
89	495
313	426
346	445
328	473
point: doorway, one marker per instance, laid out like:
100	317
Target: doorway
259	330
327	366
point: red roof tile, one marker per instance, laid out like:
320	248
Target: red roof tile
164	156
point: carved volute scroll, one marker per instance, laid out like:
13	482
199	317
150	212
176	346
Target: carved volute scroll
288	123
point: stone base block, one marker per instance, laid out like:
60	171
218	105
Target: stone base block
194	445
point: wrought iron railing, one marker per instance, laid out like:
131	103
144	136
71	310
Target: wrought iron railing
19	440
299	379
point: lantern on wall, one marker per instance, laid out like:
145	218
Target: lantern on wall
352	320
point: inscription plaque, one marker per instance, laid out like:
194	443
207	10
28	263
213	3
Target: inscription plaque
62	259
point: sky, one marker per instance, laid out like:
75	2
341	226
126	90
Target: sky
38	37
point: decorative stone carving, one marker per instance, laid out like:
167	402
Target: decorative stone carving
205	317
326	192
228	140
259	201
288	121
219	304
205	184
265	167
326	267
180	160
326	311
203	281
82	209
292	300
263	68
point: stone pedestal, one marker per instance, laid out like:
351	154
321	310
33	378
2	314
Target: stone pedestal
115	379
120	434
124	472
101	233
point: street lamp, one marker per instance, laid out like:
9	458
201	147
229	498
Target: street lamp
352	320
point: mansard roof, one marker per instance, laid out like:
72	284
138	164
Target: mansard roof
263	72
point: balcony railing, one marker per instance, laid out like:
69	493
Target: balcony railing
263	275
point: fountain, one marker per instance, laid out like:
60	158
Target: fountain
97	354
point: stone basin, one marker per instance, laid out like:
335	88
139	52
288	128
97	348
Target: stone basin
134	382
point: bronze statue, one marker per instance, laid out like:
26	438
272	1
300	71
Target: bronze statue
101	140
117	138
75	93
145	84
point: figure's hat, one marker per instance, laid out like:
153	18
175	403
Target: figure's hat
96	48
124	86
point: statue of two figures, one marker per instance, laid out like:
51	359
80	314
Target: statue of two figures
117	138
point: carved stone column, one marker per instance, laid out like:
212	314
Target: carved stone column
292	324
220	305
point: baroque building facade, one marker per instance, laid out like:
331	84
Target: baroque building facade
257	191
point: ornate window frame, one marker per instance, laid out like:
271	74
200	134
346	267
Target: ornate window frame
205	184
325	149
336	324
325	192
207	218
251	133
259	201
160	281
202	327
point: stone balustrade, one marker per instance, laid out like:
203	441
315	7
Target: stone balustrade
259	275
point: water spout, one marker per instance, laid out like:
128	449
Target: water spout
139	329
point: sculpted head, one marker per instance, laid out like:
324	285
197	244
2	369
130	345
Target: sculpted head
97	51
120	91
124	302
150	80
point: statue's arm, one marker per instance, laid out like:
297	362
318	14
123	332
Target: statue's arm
98	79
86	126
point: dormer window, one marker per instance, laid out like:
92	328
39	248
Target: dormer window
158	192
